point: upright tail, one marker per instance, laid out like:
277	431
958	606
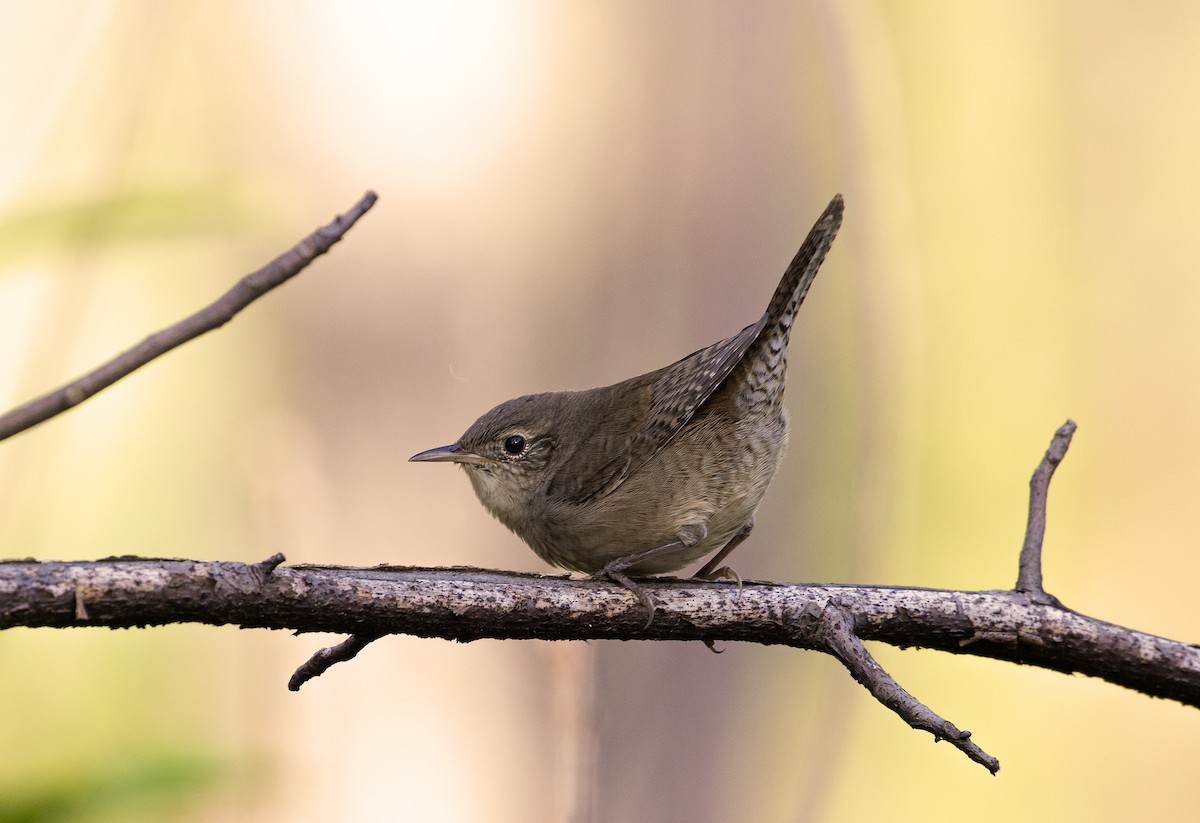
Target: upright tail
765	363
799	275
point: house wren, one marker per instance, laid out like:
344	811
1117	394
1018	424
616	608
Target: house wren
650	474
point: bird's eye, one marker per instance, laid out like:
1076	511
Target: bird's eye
514	444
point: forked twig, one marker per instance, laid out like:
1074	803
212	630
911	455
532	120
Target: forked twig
841	641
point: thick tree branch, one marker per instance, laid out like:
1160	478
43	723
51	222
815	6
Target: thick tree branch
469	604
213	316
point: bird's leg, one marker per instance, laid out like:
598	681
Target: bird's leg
710	570
614	569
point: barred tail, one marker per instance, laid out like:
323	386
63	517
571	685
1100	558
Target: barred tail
803	269
765	363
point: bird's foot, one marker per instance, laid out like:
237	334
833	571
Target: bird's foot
723	573
614	570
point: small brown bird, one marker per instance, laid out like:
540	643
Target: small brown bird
650	474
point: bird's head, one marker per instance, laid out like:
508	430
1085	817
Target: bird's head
506	454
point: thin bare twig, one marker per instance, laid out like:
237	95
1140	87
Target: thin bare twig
1029	575
316	665
837	630
213	316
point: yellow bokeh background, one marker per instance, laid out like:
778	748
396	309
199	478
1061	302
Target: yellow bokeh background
572	193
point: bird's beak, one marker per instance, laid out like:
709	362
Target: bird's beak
445	454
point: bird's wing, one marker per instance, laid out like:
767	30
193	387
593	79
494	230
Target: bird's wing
668	398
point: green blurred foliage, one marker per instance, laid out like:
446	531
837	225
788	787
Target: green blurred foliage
148	787
137	217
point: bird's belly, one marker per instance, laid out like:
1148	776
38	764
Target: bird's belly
722	526
678	496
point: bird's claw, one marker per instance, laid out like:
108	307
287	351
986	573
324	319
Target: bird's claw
615	571
726	573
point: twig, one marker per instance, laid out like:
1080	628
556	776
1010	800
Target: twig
837	629
1029	576
213	316
316	665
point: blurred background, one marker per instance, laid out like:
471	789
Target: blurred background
572	194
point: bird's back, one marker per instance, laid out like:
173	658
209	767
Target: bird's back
741	376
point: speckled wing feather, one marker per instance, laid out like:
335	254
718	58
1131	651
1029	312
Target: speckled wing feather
682	387
669	397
